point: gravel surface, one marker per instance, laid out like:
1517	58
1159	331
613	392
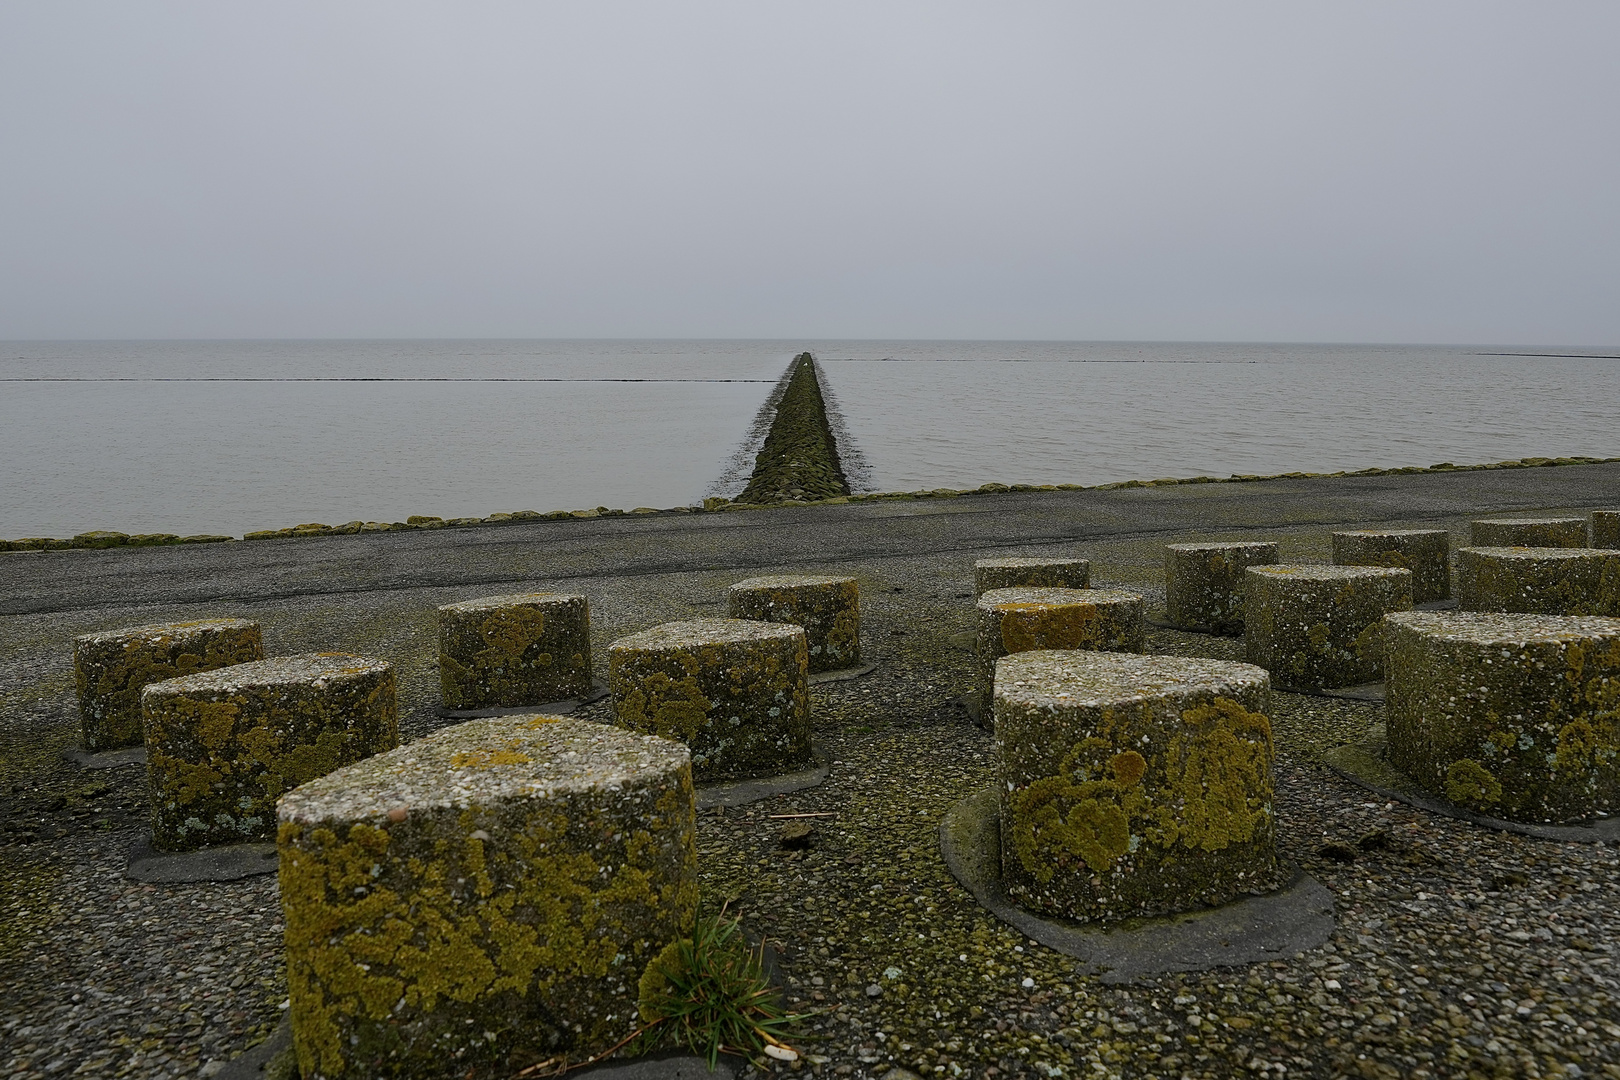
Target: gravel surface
1459	952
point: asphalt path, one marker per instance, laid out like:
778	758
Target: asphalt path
760	539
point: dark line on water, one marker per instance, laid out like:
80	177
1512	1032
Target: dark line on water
1014	360
1562	355
433	379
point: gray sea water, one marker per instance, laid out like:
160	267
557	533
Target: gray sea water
226	437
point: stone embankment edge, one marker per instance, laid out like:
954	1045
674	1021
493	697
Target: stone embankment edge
96	541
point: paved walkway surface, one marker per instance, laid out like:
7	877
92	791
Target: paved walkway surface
563	551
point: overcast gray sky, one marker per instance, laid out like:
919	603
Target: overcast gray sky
1366	171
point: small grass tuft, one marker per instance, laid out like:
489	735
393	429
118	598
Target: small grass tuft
709	994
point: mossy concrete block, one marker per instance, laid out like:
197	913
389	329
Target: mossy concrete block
1318	627
1425	552
1606	529
1567	532
1031	574
1132	785
1512	715
483	899
1019	620
1539	581
112	667
828	608
736	691
223	746
1204	584
507	651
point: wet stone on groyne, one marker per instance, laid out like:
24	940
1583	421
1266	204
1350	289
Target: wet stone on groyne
799	461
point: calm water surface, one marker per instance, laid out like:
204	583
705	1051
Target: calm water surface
231	436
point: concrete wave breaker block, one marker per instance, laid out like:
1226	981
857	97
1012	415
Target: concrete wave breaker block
1516	716
1539	581
1568	532
736	691
1204	583
827	608
113	667
1425	552
1606	529
1319	627
1030	574
507	651
483	899
1132	785
1019	620
223	746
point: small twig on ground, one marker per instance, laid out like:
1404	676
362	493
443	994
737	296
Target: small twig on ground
815	813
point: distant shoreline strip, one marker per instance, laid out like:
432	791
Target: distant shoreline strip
324	379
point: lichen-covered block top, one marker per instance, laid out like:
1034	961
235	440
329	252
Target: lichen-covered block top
788	581
310	669
1537	521
1390	532
1017	563
1535	554
1235	545
695	633
1491	629
1040	596
495	603
1320	572
486	761
1058	679
160	631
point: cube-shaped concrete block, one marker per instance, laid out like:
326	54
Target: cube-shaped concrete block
736	691
113	667
483	899
1516	716
1132	785
1044	573
1018	620
1425	552
1319	627
1539	581
1566	532
224	745
828	609
1204	584
510	651
1606	529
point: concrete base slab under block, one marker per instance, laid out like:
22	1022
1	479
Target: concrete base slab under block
843	674
1253	930
274	1058
228	862
107	759
743	792
1364	763
549	708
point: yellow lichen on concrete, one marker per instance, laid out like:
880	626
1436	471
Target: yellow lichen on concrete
735	691
1012	621
473	936
827	608
222	746
1514	714
111	668
508	651
1162	803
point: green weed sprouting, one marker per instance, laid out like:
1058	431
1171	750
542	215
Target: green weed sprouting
709	993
